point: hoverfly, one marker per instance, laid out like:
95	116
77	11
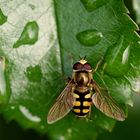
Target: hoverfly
80	93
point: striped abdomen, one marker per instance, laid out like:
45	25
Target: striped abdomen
83	102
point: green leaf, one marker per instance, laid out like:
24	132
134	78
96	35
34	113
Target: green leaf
3	96
37	45
29	35
3	18
136	6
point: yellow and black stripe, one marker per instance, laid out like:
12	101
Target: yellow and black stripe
82	104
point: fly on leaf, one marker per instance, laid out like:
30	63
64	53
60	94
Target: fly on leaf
80	93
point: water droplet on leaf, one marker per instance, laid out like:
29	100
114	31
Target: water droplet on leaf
91	5
117	59
2	76
28	114
89	37
3	18
125	55
34	74
29	35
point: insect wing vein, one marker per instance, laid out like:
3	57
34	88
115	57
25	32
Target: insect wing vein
63	104
105	103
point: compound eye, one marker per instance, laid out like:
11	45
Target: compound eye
77	66
87	66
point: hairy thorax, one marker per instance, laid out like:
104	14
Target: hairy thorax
82	78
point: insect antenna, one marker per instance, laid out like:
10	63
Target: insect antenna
83	58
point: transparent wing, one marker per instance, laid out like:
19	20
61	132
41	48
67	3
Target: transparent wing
63	104
104	102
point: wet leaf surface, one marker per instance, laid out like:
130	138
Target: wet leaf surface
3	18
136	6
39	43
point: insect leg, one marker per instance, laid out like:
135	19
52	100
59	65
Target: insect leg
97	65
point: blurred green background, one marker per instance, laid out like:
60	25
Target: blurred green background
129	129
